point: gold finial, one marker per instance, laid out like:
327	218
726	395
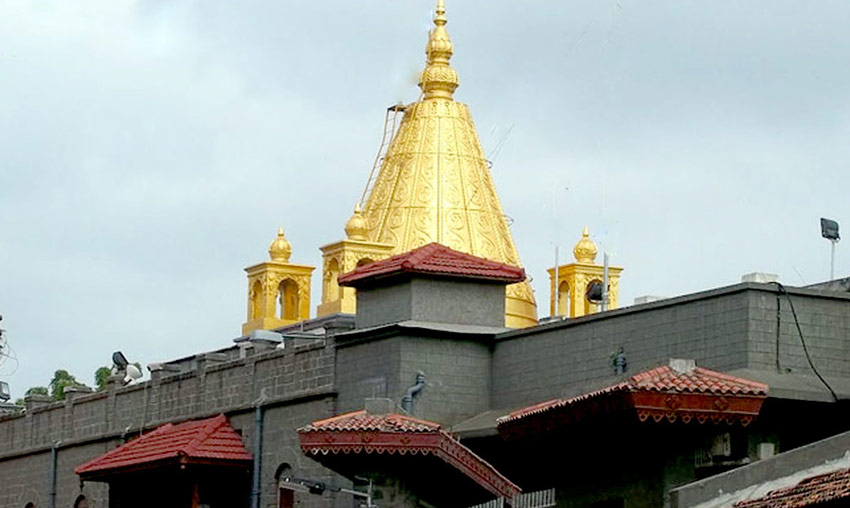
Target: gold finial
585	250
439	80
280	248
356	227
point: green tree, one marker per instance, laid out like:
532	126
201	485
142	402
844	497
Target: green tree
101	376
61	379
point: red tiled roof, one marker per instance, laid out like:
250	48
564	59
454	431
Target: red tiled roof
811	491
664	393
360	432
212	439
363	421
439	260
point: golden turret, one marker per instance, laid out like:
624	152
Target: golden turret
278	291
434	185
568	284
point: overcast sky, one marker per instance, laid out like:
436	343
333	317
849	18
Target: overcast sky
149	150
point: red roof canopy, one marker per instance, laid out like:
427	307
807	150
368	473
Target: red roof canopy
662	393
436	260
810	491
391	434
204	441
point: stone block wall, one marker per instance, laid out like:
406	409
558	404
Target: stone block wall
297	386
724	329
824	319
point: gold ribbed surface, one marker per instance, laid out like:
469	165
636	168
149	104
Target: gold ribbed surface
435	186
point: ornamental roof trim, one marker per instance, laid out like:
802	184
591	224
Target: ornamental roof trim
660	380
437	260
360	432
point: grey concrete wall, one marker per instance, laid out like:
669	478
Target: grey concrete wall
457	375
384	304
824	319
432	300
458	302
725	329
367	369
567	359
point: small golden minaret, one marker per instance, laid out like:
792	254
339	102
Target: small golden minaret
574	278
345	256
434	184
278	291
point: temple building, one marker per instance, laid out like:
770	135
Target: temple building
433	185
426	380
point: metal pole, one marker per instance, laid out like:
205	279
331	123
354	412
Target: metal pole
258	453
557	284
54	459
604	282
832	261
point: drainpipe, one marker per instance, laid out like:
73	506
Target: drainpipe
54	455
258	450
407	400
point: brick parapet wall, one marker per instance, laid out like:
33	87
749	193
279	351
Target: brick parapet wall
231	386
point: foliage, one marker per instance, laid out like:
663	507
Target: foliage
101	376
35	390
62	379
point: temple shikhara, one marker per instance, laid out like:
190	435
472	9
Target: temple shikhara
426	378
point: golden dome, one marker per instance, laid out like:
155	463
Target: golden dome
280	249
585	250
439	79
356	228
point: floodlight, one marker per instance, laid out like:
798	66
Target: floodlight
120	360
5	393
133	373
829	229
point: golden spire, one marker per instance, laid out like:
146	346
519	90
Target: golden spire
434	184
280	248
439	80
356	227
585	250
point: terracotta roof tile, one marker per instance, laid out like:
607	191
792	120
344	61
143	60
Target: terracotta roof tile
439	260
212	438
811	491
361	420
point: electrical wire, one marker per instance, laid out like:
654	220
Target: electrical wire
803	341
